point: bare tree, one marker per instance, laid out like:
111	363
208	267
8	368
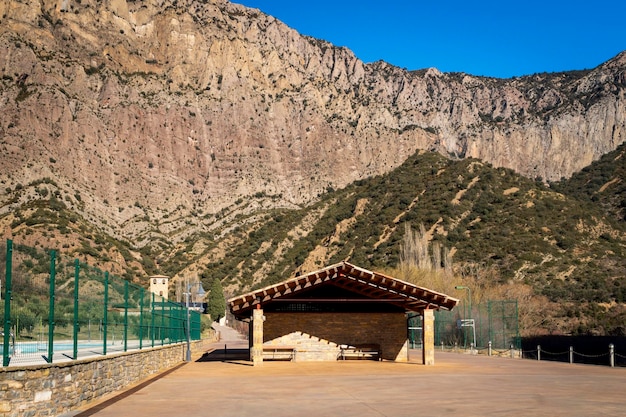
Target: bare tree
425	263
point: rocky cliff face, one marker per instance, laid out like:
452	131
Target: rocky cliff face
164	117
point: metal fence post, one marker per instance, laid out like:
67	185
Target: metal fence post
152	320
51	310
162	322
538	352
8	291
489	348
125	316
181	317
571	354
170	324
105	313
76	324
141	318
612	355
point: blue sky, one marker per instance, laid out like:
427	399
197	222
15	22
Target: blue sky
491	38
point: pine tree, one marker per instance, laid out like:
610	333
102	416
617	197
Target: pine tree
216	303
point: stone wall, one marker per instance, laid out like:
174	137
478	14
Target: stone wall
318	336
53	389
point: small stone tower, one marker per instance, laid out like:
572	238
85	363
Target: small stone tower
159	285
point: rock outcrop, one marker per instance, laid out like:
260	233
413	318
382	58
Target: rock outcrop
155	116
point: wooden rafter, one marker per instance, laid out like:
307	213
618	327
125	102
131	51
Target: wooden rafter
372	286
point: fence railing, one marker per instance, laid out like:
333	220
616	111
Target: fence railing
494	322
610	357
570	355
56	309
489	350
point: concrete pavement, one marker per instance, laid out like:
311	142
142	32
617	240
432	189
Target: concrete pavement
220	383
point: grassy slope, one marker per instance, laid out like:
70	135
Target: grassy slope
565	246
566	240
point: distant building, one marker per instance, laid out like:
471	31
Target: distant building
159	285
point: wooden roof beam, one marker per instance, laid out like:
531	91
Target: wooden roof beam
341	300
378	293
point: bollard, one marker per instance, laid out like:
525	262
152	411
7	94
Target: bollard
454	347
489	348
538	352
471	348
612	355
512	354
442	345
571	354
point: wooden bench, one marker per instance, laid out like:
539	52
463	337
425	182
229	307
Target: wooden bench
276	353
362	351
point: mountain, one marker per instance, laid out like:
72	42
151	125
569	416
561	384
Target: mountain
510	231
177	135
160	109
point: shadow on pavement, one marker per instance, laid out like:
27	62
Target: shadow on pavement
225	355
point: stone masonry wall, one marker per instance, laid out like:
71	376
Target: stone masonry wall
318	336
53	389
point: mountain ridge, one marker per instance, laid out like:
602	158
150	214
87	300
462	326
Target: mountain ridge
133	133
202	103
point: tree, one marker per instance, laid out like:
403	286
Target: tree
216	303
426	263
23	319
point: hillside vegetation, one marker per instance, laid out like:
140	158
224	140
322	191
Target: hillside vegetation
564	242
514	230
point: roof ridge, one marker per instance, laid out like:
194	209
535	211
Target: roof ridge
364	282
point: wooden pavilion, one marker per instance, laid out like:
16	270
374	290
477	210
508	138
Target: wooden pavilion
338	312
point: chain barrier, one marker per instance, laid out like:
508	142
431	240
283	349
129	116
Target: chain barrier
591	356
554	353
535	354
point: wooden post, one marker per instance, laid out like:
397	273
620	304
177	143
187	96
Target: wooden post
428	337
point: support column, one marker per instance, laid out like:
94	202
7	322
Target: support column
428	337
256	350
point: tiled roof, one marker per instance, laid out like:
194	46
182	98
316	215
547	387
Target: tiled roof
372	286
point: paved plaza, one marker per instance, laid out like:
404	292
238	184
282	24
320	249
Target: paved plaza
220	383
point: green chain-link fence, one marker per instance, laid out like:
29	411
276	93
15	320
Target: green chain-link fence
55	308
495	322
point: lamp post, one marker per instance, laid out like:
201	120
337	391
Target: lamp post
187	295
468	321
